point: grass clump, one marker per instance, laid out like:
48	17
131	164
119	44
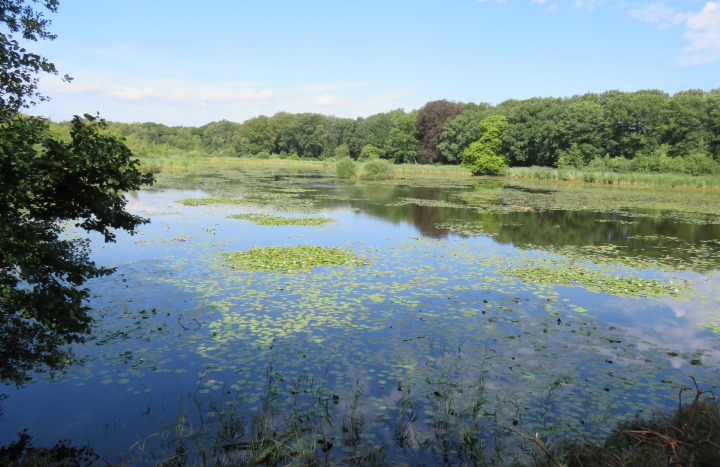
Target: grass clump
263	219
346	168
378	169
278	258
203	201
674	180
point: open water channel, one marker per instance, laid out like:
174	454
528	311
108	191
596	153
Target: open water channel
522	305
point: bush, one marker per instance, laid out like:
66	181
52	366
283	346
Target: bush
294	157
369	152
378	169
263	155
572	158
342	151
346	168
610	164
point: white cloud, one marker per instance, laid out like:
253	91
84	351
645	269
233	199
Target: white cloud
704	36
319	87
327	100
123	93
702	29
660	14
539	1
246	98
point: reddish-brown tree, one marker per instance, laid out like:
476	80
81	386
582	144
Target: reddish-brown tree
429	125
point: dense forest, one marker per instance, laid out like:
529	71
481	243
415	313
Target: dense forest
646	130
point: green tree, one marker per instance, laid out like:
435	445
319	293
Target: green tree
484	155
582	126
460	132
529	136
371	152
44	183
342	151
402	144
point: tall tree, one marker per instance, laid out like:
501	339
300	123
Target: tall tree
402	144
484	155
431	120
460	132
529	137
45	182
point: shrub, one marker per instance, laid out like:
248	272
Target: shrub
342	151
346	168
294	157
378	169
263	155
572	158
369	152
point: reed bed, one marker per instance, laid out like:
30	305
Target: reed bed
674	180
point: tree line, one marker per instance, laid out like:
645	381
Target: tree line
609	129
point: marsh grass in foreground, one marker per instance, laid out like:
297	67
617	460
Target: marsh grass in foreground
299	421
277	258
263	219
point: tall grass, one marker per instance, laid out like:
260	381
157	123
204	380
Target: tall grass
615	178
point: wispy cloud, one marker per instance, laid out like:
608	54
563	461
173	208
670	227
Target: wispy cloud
143	95
246	98
704	36
660	14
320	87
702	29
327	100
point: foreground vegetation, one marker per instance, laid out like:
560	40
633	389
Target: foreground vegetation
293	426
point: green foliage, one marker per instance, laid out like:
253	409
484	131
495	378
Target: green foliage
402	144
459	133
288	258
369	152
263	155
346	168
263	219
378	169
44	183
573	157
483	156
342	151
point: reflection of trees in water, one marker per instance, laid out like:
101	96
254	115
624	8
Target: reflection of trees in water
582	228
425	218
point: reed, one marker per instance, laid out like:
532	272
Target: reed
672	180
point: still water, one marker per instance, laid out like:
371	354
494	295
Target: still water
464	284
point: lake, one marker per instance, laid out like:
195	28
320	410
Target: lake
470	304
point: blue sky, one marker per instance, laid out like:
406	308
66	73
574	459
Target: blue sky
189	63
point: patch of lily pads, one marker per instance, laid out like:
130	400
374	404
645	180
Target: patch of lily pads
207	201
265	219
277	258
595	280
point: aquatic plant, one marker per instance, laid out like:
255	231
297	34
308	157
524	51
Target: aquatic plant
288	258
264	219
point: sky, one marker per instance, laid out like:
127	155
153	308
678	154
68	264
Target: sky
190	63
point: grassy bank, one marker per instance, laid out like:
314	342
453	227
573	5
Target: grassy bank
156	165
614	178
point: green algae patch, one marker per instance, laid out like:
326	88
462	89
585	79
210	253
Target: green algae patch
263	219
203	201
278	258
596	280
